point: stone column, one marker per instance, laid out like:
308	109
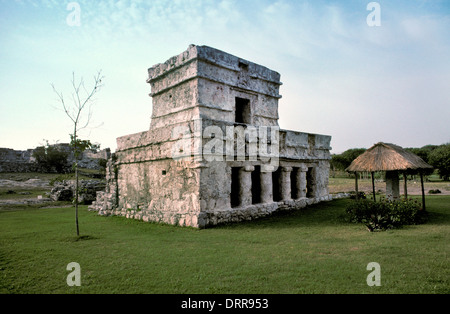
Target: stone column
266	184
301	182
392	185
285	183
245	188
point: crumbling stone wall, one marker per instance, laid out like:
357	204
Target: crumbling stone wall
23	161
17	161
65	190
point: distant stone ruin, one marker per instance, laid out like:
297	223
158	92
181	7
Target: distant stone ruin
214	152
23	161
17	160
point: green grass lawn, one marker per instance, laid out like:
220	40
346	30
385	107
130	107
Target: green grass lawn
308	251
23	193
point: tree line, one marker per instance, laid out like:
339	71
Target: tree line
437	156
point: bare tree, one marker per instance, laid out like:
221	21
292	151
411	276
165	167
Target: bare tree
80	113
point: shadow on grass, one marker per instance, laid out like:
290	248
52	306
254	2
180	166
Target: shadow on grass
80	238
330	213
32	206
324	214
436	218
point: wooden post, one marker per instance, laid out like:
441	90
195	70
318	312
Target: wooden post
405	177
356	185
423	191
373	186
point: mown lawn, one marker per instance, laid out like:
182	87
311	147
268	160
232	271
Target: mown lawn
313	250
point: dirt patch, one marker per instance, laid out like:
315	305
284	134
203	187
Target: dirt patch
25	201
57	206
337	185
28	184
20	190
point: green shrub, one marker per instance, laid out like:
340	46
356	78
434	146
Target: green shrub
361	195
385	214
51	158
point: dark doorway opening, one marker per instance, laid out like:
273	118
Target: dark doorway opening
242	114
276	185
295	194
235	187
310	182
256	185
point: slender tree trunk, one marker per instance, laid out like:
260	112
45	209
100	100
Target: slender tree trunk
423	191
76	180
373	186
76	197
405	178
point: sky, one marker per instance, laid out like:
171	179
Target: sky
361	71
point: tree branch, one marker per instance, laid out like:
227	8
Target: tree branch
79	103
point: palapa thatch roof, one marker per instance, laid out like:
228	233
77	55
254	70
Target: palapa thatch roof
387	157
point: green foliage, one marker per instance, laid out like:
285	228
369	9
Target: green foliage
102	163
342	161
51	158
79	146
385	214
439	158
423	152
361	195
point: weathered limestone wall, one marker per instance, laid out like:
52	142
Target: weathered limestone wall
161	191
175	106
151	184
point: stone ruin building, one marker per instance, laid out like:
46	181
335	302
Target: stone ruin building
23	160
214	152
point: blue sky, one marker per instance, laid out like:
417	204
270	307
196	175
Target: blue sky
341	77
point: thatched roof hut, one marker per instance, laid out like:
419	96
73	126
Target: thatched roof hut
388	157
392	159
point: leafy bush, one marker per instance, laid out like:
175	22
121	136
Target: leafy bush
361	195
51	158
102	163
384	215
439	158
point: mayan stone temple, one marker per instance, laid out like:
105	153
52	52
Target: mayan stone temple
214	152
